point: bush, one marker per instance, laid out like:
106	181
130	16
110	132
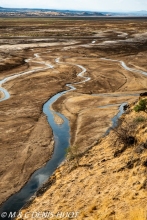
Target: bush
140	119
123	136
142	106
73	154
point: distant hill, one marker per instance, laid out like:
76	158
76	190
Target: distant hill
92	14
27	12
132	13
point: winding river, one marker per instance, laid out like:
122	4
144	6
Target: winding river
61	135
14	76
122	63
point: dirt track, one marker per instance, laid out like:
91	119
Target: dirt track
25	137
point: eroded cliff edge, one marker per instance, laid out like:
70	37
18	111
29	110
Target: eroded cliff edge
110	180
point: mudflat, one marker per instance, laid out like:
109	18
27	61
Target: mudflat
26	140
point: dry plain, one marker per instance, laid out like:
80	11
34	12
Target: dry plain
26	139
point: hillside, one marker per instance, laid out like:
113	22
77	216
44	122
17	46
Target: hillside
92	68
108	183
27	12
38	12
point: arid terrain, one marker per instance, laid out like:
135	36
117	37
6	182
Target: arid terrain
47	54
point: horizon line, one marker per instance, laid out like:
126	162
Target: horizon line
85	10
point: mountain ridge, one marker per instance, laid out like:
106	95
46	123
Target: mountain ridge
39	12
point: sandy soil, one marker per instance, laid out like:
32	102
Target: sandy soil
1	95
25	133
58	119
102	187
85	115
25	136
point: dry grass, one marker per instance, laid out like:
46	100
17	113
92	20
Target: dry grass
104	187
135	214
138	214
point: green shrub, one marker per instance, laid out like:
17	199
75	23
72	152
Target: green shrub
72	153
140	119
142	106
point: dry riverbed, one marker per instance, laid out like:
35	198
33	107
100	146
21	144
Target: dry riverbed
26	140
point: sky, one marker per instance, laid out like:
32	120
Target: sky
90	5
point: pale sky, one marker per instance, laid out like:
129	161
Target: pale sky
94	5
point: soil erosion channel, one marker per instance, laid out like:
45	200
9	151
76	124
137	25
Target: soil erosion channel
61	137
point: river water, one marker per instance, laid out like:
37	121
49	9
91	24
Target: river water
61	134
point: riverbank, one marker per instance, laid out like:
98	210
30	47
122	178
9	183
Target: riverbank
96	188
26	141
25	133
1	95
73	105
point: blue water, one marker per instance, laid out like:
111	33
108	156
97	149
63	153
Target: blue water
61	138
61	135
116	117
6	94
